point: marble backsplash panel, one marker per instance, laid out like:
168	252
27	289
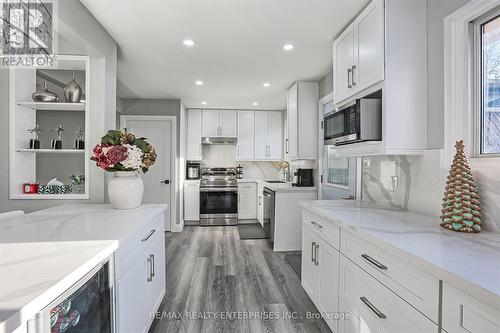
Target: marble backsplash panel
421	184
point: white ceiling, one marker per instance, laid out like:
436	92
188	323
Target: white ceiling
238	47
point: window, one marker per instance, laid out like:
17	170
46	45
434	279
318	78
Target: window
337	170
489	102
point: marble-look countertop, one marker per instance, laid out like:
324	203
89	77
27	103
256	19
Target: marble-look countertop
44	253
470	262
279	187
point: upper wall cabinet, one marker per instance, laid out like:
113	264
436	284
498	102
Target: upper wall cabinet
219	123
385	49
359	53
260	136
301	128
193	146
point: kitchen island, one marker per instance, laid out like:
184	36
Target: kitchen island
44	253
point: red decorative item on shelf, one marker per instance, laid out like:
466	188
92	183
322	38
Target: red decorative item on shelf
30	188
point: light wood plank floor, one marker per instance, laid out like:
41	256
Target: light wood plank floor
211	272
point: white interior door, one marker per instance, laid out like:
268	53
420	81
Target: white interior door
158	181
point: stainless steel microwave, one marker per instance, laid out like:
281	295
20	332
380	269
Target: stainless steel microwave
359	121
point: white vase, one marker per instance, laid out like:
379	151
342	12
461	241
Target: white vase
125	190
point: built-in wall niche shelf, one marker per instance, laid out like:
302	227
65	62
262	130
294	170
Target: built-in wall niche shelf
45	106
49	196
42	165
52	151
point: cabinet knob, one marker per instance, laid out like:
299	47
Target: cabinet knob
166	181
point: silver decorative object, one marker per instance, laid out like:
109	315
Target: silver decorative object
57	142
73	91
80	138
44	95
35	141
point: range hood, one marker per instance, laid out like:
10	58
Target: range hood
219	141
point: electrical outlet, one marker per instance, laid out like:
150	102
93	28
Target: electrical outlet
394	183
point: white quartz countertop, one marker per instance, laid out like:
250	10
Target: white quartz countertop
470	262
279	187
44	253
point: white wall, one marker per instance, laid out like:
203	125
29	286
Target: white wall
79	34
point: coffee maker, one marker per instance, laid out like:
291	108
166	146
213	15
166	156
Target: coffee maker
303	178
193	171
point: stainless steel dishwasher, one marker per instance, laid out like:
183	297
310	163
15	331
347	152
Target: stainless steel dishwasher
269	211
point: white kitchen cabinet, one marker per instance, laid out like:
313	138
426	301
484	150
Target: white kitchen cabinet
131	291
275	135
261	135
246	136
344	60
320	270
219	123
193	146
247	201
465	314
260	203
140	278
384	46
301	141
359	53
228	123
191	201
378	307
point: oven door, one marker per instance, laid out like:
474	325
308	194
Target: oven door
341	126
218	206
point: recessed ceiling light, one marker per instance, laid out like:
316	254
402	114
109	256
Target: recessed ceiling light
288	47
188	42
204	103
255	103
266	84
199	83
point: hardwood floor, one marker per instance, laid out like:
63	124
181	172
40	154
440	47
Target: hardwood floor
212	273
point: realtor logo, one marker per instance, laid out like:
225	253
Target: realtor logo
28	32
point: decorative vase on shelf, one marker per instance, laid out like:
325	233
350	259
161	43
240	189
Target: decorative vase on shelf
125	190
73	91
44	95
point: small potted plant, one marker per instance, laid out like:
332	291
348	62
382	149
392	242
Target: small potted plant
124	155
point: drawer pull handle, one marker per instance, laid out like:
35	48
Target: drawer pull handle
150	275
313	247
374	262
152	256
148	236
317	225
372	307
316	260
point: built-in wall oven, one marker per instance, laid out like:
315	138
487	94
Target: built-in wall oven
218	197
85	307
359	121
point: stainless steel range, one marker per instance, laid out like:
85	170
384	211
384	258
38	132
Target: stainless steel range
218	197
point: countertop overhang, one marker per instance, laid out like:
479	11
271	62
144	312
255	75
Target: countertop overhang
44	253
470	262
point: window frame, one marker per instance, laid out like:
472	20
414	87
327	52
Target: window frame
476	87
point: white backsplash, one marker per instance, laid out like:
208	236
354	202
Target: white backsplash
421	184
225	156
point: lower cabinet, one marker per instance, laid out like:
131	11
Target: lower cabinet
141	288
373	307
247	201
465	314
260	203
192	201
320	263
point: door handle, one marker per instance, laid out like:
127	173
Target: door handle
316	260
374	262
349	78
313	247
353	82
372	307
166	181
260	201
286	144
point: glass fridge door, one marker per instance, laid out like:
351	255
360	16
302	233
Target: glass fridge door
87	309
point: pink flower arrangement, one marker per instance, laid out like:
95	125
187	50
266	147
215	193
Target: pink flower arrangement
122	151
